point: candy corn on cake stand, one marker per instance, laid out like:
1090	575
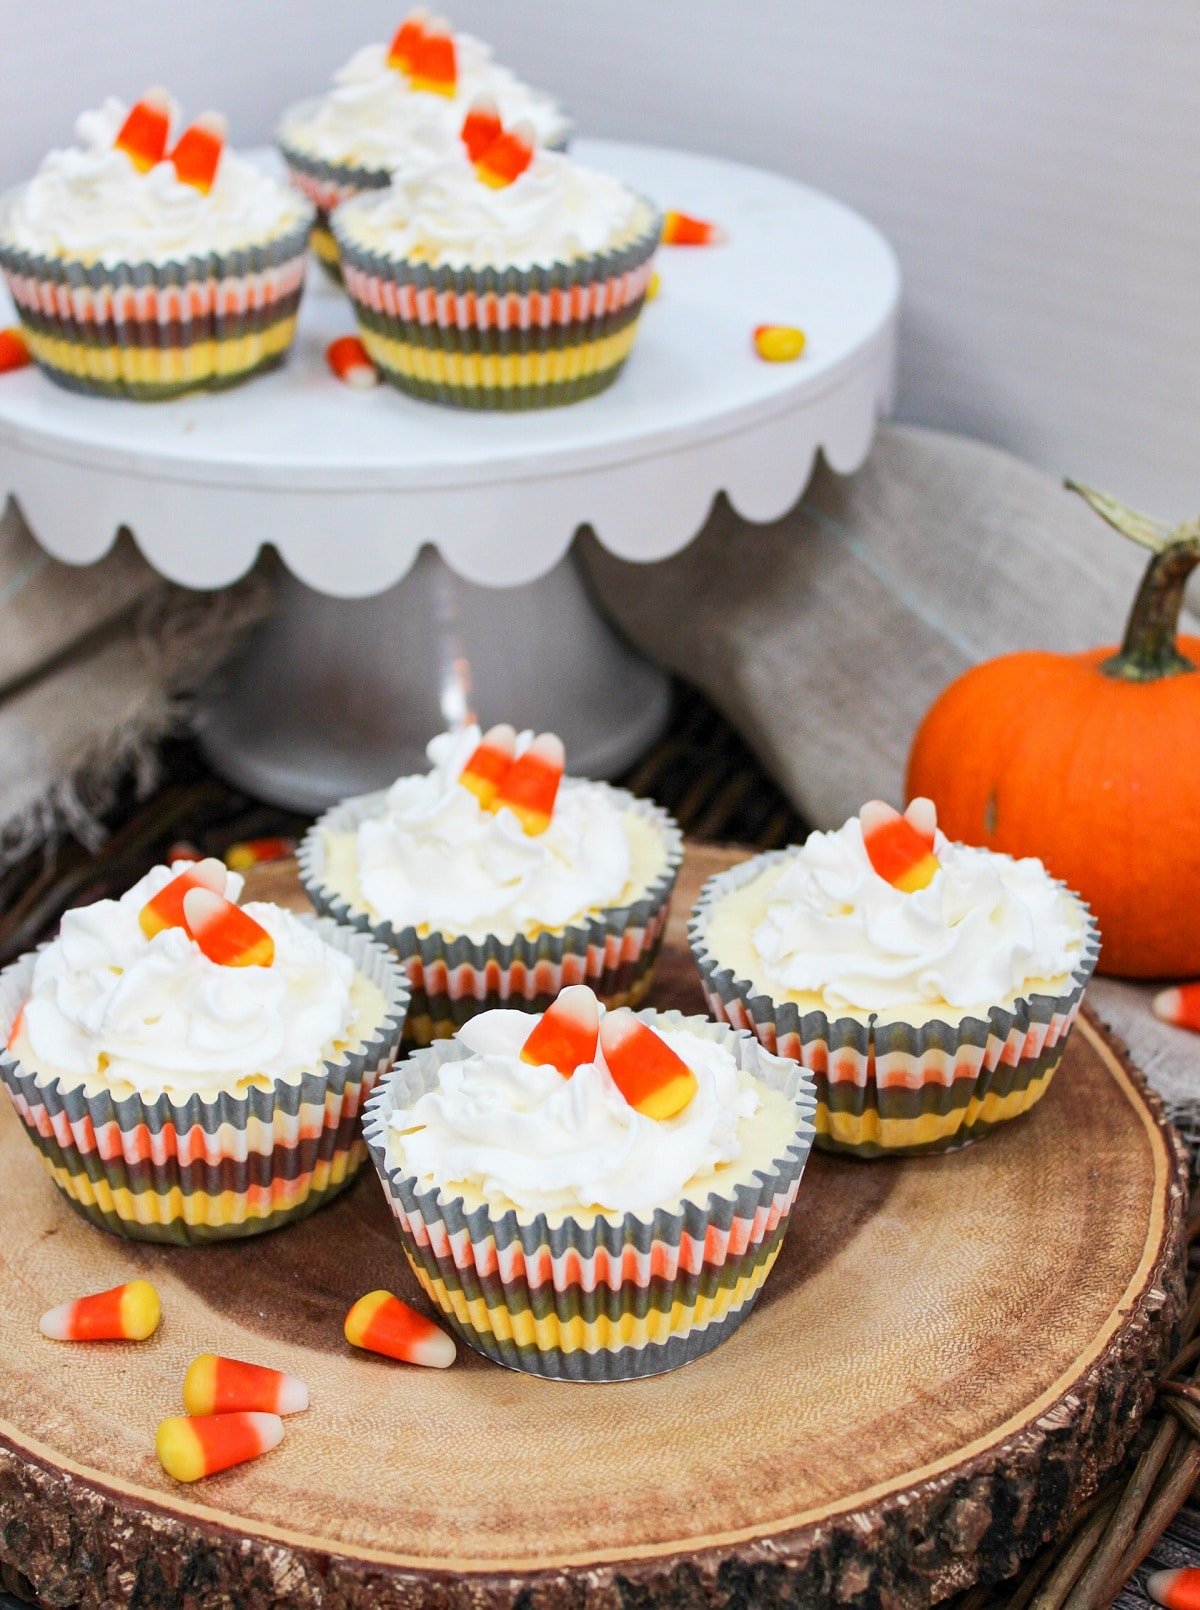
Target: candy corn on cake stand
376	643
946	1360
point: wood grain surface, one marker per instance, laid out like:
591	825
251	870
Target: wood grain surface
950	1353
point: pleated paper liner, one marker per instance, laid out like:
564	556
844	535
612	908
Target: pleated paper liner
899	1089
149	331
327	184
608	1298
452	977
499	338
194	1170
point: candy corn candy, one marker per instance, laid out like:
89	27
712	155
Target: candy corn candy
225	933
14	350
254	852
778	343
197	154
530	785
189	1448
1180	1006
681	229
506	159
127	1313
350	363
568	1032
143	135
215	1385
182	850
921	816
653	1080
481	126
1178	1590
895	848
434	65
489	763
402	52
165	910
381	1323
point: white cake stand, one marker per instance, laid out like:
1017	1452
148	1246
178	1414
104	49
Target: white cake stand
427	550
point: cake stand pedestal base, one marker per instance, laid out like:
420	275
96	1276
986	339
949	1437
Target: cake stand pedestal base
340	696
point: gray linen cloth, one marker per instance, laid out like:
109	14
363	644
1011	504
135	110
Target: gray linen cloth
825	637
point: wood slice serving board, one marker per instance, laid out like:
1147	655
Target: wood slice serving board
948	1356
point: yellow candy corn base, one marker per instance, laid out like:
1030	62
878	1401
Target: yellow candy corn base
613	1297
899	1089
453	978
192	1171
147	331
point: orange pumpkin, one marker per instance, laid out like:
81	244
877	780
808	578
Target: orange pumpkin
1091	762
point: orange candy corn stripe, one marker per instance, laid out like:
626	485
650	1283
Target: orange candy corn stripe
254	852
350	362
143	135
216	1385
189	1449
14	350
507	157
530	785
434	66
1180	1006
651	1077
197	156
568	1032
165	910
127	1313
681	229
489	764
1177	1590
481	127
381	1323
402	52
225	933
895	848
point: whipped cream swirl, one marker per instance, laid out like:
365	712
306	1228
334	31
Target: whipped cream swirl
91	202
556	211
435	858
985	927
159	1015
372	116
542	1142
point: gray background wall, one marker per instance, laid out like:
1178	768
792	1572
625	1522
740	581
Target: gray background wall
1035	162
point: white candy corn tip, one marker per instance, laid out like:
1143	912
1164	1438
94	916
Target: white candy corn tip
616	1027
56	1322
362	376
435	1351
921	814
269	1428
293	1396
548	746
502	736
525	133
159	98
209	873
201	908
1162	1585
484	106
1168	1005
215	123
578	1002
876	813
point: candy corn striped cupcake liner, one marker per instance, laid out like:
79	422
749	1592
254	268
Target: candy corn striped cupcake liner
328	184
499	339
198	1170
148	331
612	1297
452	978
899	1088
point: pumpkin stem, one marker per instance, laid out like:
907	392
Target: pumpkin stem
1149	650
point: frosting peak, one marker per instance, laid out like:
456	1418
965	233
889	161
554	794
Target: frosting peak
525	1133
982	929
93	202
156	1013
435	857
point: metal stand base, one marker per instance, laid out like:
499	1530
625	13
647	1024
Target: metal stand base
339	696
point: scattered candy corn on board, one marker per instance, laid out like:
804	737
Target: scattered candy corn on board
1064	1254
